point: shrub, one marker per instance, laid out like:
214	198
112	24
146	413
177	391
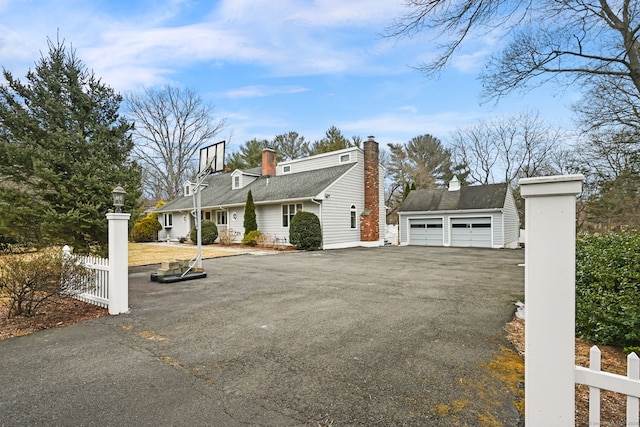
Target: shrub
30	281
250	223
209	233
226	236
608	288
305	232
146	229
251	238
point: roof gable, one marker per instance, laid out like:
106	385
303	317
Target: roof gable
491	196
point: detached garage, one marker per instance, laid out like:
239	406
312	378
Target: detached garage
483	216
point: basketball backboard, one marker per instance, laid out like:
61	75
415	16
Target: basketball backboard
212	158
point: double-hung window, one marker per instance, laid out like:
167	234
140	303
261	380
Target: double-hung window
221	217
288	211
168	220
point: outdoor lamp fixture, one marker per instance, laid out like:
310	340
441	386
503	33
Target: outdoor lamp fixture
118	198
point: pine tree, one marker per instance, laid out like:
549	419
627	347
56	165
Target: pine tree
250	223
66	148
333	140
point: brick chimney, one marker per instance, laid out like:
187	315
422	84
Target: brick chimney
370	217
268	162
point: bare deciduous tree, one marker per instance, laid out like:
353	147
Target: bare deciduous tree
593	43
171	124
506	149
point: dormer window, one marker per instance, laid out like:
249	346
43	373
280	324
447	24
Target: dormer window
188	188
236	181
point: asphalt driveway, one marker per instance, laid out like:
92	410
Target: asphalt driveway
393	336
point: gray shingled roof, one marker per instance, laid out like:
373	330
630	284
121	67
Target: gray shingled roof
294	186
490	196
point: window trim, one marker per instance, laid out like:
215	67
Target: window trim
353	218
345	158
222	215
286	169
236	181
287	216
169	223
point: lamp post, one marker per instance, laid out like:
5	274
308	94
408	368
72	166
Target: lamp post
118	254
118	194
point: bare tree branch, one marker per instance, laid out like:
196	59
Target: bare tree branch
171	124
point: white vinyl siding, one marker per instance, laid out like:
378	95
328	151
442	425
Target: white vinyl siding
511	221
269	218
336	210
322	160
182	224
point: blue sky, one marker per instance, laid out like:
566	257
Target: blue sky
274	66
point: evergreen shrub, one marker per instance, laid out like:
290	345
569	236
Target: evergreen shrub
305	232
608	288
209	233
250	222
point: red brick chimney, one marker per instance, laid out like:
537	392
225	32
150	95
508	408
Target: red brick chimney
269	162
370	217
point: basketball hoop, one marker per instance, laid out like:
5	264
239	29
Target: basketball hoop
211	161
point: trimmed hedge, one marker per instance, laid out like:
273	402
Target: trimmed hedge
209	233
608	288
305	231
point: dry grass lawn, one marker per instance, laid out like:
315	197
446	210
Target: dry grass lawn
152	253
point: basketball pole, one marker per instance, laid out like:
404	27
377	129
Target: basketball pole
208	164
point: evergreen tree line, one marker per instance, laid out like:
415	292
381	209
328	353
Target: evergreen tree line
289	146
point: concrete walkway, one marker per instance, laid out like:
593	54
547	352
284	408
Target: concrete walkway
393	336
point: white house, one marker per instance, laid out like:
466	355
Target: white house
477	216
343	188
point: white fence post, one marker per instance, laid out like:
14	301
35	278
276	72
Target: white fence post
118	262
550	218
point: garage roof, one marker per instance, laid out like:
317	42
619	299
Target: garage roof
491	196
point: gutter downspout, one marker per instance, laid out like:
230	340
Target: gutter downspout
319	203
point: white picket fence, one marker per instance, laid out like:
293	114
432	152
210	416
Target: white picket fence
94	288
598	380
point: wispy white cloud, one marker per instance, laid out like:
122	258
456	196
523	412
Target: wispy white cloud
286	38
260	91
470	62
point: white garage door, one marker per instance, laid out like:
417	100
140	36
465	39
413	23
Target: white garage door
475	232
425	232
